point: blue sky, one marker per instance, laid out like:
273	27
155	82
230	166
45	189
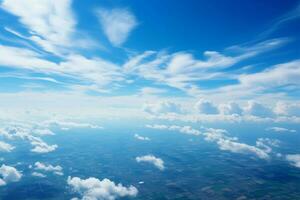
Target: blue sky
125	54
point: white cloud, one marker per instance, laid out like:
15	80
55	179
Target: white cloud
117	24
5	147
151	91
230	108
294	159
287	108
51	23
162	107
157	162
137	136
95	189
40	146
206	107
257	109
238	147
232	144
280	129
85	71
37	174
23	132
182	129
63	124
43	132
9	174
48	168
181	69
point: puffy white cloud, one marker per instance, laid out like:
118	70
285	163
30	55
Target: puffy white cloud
230	109
162	108
206	107
287	109
117	24
40	146
9	174
23	132
280	129
157	162
5	147
137	136
95	189
257	109
48	168
50	22
294	159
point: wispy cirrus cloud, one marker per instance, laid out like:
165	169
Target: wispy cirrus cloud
51	24
117	24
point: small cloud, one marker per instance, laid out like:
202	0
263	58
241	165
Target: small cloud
49	168
9	174
182	129
257	109
294	159
206	107
117	24
162	107
93	188
137	136
5	147
37	174
280	129
157	162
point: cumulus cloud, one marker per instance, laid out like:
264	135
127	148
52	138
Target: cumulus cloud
9	174
93	188
230	109
157	162
23	132
162	107
39	146
137	136
294	159
117	24
257	109
48	168
287	109
5	147
206	107
280	129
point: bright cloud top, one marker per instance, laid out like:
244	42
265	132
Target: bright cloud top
93	188
9	174
157	162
